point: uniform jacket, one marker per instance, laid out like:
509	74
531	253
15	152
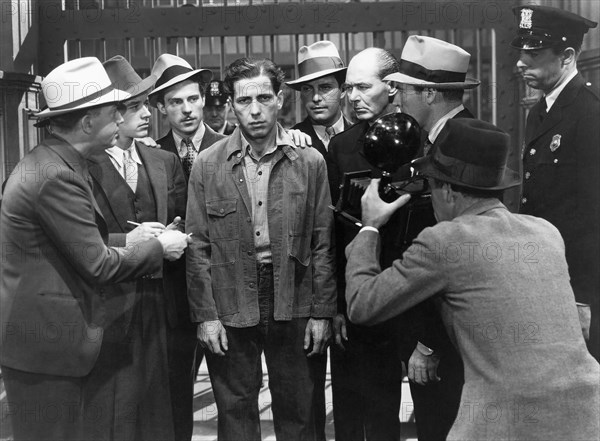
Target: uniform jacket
528	374
167	142
170	193
306	126
55	264
221	262
563	186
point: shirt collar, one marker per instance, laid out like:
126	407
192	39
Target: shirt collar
554	93
439	125
117	153
283	140
338	127
196	139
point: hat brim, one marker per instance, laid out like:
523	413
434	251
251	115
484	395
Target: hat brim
142	87
111	95
469	83
204	76
296	84
426	167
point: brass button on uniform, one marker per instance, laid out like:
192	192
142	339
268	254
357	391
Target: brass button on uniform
527	175
524	200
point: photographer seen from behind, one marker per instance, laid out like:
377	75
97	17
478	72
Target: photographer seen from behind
501	283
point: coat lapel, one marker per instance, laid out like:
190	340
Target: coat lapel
555	116
108	180
158	180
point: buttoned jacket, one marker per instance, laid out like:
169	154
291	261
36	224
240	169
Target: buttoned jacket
221	262
56	265
561	179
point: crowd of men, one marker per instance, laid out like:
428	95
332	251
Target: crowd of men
125	264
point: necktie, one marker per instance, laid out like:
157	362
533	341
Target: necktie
427	147
188	159
329	132
130	170
542	111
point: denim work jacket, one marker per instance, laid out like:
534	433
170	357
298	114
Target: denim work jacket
221	259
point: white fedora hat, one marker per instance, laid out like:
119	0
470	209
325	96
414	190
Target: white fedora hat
78	84
170	70
429	62
317	60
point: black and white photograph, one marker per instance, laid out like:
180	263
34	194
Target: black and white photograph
275	220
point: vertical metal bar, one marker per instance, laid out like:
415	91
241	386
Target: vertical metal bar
197	53
222	56
478	70
103	43
272	47
128	49
297	109
347	47
493	78
248	49
78	41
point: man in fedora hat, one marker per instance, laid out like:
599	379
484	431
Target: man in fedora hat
322	74
527	371
366	368
431	83
216	108
561	159
136	184
179	95
58	273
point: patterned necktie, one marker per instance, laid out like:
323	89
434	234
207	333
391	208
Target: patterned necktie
329	132
188	159
130	170
427	146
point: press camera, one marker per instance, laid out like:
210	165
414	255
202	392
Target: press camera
390	145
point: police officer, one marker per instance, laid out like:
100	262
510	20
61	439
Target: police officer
561	155
216	108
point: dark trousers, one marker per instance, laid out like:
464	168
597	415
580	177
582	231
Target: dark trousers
127	393
237	377
436	404
366	383
181	343
43	407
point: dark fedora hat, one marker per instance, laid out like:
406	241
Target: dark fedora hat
470	153
124	77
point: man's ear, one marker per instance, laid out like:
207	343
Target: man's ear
280	99
569	56
87	123
430	95
392	88
449	194
161	108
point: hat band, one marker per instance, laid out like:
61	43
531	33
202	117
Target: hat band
170	73
469	174
83	100
318	64
431	76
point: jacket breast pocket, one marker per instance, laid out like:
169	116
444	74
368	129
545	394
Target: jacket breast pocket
223	219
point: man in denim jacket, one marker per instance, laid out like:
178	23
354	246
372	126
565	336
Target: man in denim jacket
261	264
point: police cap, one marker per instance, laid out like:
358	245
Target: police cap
543	26
215	94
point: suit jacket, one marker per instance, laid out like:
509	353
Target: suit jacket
528	373
56	264
561	180
167	142
170	192
306	126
